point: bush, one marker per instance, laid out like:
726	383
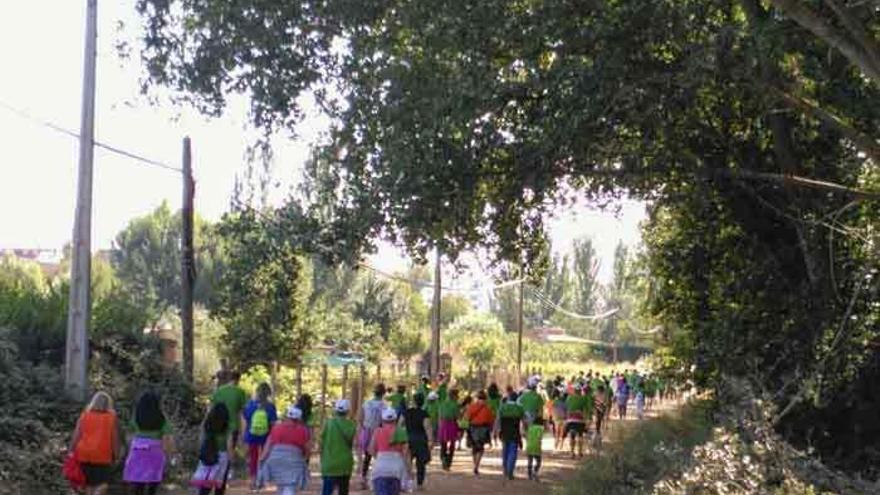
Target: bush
636	457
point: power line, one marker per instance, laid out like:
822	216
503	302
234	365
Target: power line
550	304
428	283
74	134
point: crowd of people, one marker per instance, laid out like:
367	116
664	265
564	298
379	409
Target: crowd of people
391	438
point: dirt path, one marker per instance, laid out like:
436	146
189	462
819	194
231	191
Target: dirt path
557	467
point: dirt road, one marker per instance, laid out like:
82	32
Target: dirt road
557	468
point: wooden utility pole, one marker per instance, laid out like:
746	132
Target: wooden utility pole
519	330
435	318
187	262
79	305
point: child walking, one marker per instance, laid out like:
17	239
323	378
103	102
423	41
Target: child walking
534	437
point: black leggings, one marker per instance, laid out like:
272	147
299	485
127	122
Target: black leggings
145	488
365	469
536	459
421	471
447	450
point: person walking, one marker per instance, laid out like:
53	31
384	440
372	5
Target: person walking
576	424
623	390
215	444
534	439
337	459
560	416
369	420
151	445
481	420
97	443
511	417
449	412
389	447
285	458
494	401
432	407
531	401
420	436
260	416
235	399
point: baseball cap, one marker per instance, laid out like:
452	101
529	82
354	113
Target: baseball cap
389	414
342	406
432	396
294	412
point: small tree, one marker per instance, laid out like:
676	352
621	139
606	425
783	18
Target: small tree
407	341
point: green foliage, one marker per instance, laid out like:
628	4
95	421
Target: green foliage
638	455
147	259
263	295
453	307
459	124
480	338
407	341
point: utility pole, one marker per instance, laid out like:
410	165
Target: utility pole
79	305
187	262
435	318
519	329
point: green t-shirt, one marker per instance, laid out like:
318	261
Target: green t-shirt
494	405
337	440
396	400
532	402
510	410
449	409
534	436
442	391
433	410
577	403
154	434
400	436
235	399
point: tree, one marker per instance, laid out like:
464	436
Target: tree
480	338
460	124
146	258
406	341
453	307
585	283
263	295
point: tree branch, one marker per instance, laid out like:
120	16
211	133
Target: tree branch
808	19
796	180
856	31
866	144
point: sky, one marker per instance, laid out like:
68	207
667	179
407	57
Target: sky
42	76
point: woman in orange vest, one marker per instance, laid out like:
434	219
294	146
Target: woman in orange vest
481	419
97	443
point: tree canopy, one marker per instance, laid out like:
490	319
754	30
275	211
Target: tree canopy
749	127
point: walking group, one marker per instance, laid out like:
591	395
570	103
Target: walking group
392	437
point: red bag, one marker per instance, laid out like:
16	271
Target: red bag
73	473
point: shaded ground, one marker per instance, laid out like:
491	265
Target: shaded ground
557	467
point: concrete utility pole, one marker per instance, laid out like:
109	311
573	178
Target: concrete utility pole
79	306
435	318
187	262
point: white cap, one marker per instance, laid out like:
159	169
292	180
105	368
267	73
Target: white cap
294	412
389	414
342	406
533	381
433	396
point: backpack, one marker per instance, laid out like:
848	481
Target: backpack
259	422
208	453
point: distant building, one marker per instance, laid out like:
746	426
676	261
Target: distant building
48	259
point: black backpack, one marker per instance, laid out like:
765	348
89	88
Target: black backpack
208	453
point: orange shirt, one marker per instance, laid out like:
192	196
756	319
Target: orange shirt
480	414
97	432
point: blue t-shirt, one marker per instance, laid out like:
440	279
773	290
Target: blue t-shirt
249	410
